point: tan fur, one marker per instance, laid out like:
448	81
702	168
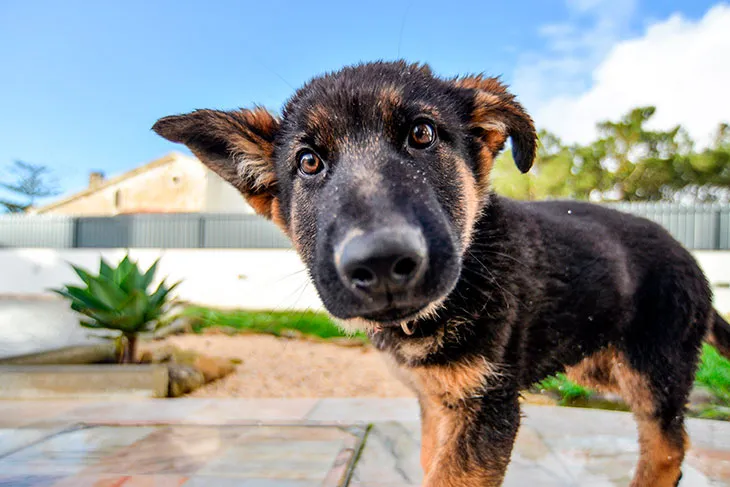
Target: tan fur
261	203
429	436
443	393
277	217
497	115
660	457
661	460
454	382
390	97
416	348
479	82
609	371
473	198
318	121
253	154
296	223
446	384
445	464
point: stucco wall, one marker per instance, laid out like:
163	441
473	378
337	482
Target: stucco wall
222	197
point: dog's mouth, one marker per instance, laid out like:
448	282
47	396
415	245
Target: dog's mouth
394	316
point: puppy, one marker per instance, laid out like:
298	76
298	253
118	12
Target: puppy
379	174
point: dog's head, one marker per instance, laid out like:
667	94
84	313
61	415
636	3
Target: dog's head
377	173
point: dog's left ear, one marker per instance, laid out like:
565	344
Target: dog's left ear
237	145
497	115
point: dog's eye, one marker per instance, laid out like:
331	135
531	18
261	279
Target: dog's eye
310	163
422	135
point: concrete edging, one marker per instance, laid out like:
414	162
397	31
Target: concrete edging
83	381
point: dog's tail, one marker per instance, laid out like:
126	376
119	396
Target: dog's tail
720	335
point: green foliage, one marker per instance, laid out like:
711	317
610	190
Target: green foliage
310	323
714	373
118	299
626	162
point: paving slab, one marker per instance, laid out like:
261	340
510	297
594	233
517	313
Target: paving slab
295	456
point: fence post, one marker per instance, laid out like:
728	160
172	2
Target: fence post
201	231
717	229
75	232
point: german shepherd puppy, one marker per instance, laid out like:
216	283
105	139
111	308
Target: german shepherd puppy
379	174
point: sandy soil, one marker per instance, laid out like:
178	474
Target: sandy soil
279	367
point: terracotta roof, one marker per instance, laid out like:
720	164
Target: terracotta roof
171	157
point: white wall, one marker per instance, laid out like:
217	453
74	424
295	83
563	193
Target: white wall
262	279
35	326
716	265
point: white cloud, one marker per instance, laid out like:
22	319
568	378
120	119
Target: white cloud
680	66
572	49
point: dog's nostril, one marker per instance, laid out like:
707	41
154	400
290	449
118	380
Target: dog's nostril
404	267
363	277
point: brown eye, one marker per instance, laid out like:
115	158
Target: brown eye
310	163
422	135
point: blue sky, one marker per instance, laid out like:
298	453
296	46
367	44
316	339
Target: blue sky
83	81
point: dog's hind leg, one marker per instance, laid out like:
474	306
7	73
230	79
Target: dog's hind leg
657	401
659	411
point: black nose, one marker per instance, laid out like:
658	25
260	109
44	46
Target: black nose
388	260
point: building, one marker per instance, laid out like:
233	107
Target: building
175	183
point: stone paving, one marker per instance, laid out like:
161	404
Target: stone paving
307	442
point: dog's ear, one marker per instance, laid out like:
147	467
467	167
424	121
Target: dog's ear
238	145
497	115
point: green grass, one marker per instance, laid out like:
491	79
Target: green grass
566	390
310	323
713	373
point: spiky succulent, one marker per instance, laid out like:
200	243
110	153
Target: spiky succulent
118	297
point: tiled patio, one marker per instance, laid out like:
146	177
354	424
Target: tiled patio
307	442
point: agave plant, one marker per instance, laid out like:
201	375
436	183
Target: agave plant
118	299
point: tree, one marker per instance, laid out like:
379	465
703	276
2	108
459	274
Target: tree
31	181
626	162
708	171
549	177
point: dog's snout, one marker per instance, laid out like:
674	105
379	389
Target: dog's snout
385	261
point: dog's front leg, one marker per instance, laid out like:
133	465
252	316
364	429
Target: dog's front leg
474	440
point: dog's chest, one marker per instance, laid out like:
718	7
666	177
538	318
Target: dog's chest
447	384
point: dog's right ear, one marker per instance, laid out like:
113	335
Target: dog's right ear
237	145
